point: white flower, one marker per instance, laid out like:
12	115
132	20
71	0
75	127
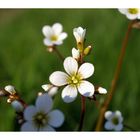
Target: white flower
40	117
50	89
102	90
10	89
131	13
53	35
114	120
17	106
79	34
75	53
74	79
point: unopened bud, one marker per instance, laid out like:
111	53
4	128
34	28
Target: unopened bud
10	89
17	106
87	50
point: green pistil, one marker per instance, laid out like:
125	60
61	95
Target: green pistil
54	38
133	10
115	120
40	119
74	79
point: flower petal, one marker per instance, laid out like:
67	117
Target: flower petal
123	11
47	128
57	28
47	31
70	65
86	89
86	70
29	112
52	91
69	94
119	116
119	127
108	125
109	115
56	118
28	126
44	103
62	36
58	42
131	16
58	78
48	42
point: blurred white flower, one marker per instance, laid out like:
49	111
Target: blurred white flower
131	13
40	117
74	79
17	106
53	35
75	53
50	89
10	89
79	34
114	120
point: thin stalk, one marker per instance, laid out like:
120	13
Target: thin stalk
83	108
115	79
59	54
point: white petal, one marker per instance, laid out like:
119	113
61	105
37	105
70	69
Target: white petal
46	128
52	91
123	11
62	36
47	31
119	116
75	53
86	88
119	127
29	112
76	35
109	115
57	28
131	16
102	90
86	70
44	103
28	126
108	125
69	94
58	78
58	42
70	65
48	42
56	118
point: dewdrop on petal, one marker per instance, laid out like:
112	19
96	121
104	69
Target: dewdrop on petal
10	89
17	106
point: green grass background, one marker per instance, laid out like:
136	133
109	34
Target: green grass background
25	63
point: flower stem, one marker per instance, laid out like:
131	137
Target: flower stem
83	99
104	107
58	54
128	127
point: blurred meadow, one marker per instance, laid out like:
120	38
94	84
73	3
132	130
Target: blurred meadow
25	63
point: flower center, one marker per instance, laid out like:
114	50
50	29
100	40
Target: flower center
40	119
115	120
54	38
74	79
133	10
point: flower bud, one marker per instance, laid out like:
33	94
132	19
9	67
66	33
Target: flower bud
75	53
17	106
87	50
10	89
